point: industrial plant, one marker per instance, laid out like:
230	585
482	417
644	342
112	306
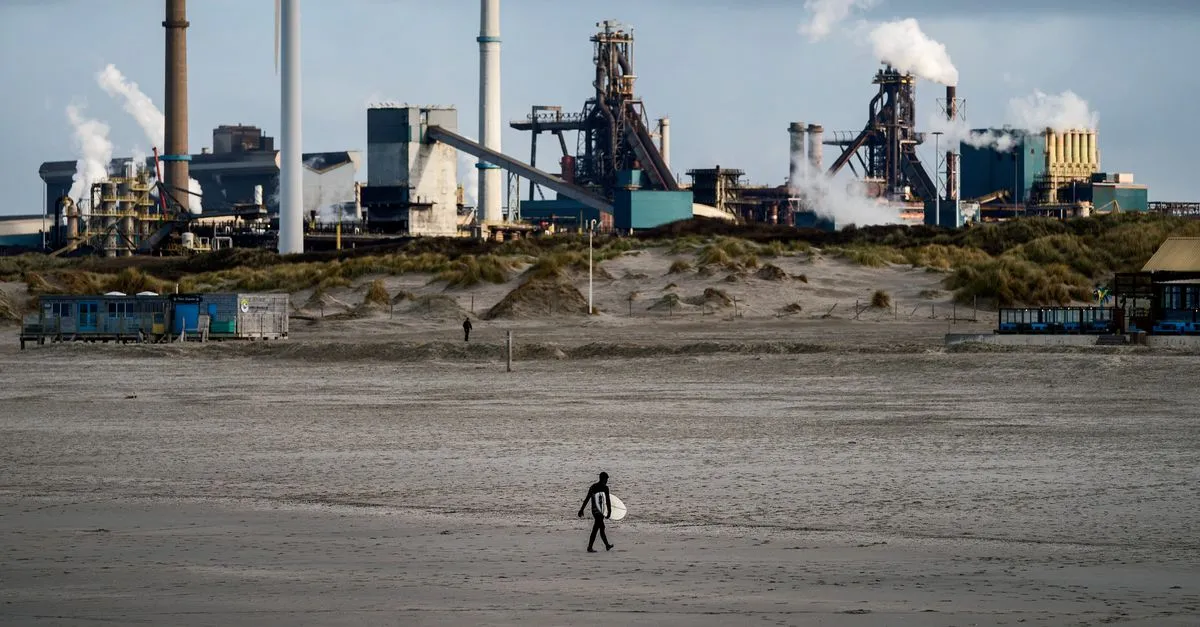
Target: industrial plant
611	172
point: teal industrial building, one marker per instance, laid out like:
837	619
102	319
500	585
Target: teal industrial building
1049	172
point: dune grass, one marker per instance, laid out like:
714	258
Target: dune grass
1029	261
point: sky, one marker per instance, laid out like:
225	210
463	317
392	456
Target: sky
730	74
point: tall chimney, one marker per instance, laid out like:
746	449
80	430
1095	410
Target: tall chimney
664	140
489	109
951	152
291	176
175	152
816	134
796	131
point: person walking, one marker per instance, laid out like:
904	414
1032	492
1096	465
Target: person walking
599	498
466	329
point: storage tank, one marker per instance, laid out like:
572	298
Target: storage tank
188	239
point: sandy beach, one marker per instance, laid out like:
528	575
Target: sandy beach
230	485
820	465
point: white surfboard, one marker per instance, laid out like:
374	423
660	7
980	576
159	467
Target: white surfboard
618	508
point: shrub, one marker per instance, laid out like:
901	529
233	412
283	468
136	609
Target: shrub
881	300
377	294
679	266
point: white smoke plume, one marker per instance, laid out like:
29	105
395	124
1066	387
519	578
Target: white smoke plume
843	204
1060	112
194	199
136	103
825	14
1030	114
469	179
904	46
94	149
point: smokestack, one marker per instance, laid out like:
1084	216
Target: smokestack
175	152
664	140
489	109
291	181
816	134
951	155
796	131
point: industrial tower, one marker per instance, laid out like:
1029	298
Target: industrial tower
886	148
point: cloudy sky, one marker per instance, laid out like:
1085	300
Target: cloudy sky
731	74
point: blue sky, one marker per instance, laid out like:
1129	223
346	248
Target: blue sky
731	75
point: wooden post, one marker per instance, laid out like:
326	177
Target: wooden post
508	352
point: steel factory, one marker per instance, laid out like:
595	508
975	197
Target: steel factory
613	173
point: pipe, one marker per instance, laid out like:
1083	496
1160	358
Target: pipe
489	109
952	148
291	191
176	98
816	134
664	140
796	132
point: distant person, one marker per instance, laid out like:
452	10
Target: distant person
466	329
598	496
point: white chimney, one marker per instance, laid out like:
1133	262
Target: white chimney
664	140
291	176
489	109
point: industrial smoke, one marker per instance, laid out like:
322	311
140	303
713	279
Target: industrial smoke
1061	112
1030	114
94	150
825	14
136	103
845	205
470	179
152	121
904	46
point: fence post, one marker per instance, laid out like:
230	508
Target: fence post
932	311
508	352
856	312
975	310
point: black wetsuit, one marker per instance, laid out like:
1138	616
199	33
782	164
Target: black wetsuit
598	514
467	330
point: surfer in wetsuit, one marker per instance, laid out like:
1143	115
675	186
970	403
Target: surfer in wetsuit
598	497
467	330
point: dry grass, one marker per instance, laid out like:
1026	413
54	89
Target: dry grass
881	300
9	309
679	266
377	294
1008	281
469	271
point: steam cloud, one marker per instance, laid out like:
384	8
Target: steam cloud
136	103
94	149
1061	112
470	179
1030	114
845	205
904	46
825	14
147	115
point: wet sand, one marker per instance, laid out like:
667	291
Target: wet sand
841	487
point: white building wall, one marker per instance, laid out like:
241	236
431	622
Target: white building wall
324	190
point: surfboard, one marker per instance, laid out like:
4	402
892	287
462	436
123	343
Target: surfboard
618	508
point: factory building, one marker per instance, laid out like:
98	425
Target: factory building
1053	173
412	184
242	161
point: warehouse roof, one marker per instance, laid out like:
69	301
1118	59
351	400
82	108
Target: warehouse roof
1177	254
